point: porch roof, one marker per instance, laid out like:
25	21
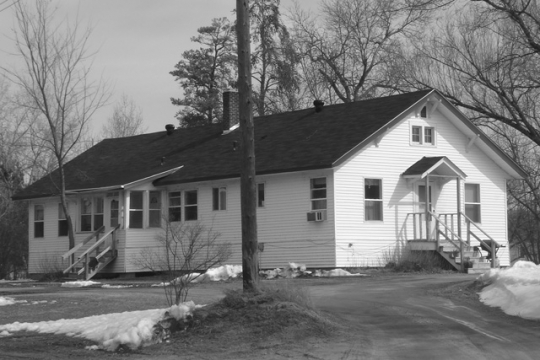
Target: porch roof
436	165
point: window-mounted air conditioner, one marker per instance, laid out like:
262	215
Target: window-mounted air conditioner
317	215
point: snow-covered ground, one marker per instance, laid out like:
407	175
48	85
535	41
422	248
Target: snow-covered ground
516	290
109	331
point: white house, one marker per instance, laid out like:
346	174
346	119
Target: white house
338	186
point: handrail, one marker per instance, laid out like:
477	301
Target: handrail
76	248
446	227
93	247
100	241
482	230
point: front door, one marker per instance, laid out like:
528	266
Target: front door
431	203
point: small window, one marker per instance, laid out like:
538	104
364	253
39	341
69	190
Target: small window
191	207
423	112
39	221
91	213
136	210
416	134
472	202
428	135
175	206
373	199
219	198
154	211
62	221
318	194
114	212
260	195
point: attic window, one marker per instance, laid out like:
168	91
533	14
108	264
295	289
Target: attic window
422	135
423	112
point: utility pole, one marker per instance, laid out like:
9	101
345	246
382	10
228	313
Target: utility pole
247	179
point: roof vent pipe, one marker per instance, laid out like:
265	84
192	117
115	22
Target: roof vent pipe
169	128
318	105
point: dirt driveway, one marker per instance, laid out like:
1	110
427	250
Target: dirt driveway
384	317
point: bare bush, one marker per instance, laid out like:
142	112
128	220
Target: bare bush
51	267
186	251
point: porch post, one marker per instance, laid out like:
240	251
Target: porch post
459	223
428	204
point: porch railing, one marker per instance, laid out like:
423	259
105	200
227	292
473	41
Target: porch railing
84	258
446	225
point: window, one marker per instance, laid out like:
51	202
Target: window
39	221
422	135
175	206
373	199
62	222
260	195
136	210
219	198
114	213
318	193
423	112
91	213
154	211
472	202
191	205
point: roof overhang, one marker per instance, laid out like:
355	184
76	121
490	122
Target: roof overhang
433	166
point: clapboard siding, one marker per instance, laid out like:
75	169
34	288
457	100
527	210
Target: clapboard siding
370	242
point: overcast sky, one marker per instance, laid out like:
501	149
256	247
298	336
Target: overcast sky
138	43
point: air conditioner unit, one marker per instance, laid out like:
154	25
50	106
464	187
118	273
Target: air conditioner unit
317	215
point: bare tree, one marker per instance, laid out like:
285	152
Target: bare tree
56	83
347	51
126	120
185	252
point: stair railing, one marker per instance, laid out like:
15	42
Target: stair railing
492	248
85	256
447	229
77	247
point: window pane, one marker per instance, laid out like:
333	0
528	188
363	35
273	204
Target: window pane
98	205
318	183
86	222
415	133
61	214
373	189
318	205
428	135
136	200
472	193
423	112
155	218
473	212
175	214
62	228
135	219
175	198
39	229
86	206
191	213
318	194
98	221
215	199
38	213
260	195
222	199
155	199
373	210
114	213
191	197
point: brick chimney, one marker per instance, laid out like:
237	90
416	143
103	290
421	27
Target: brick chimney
231	114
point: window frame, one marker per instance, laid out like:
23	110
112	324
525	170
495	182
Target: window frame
419	132
477	204
93	214
191	206
261	192
40	222
370	200
62	222
133	211
158	209
219	198
312	190
184	207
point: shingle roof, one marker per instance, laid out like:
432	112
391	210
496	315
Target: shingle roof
292	141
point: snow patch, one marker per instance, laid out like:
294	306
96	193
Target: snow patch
224	272
132	329
4	301
515	290
107	286
79	283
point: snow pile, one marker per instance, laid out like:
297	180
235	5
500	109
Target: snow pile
79	283
293	270
4	301
107	286
515	290
224	272
133	329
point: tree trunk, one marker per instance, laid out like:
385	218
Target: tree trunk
247	181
